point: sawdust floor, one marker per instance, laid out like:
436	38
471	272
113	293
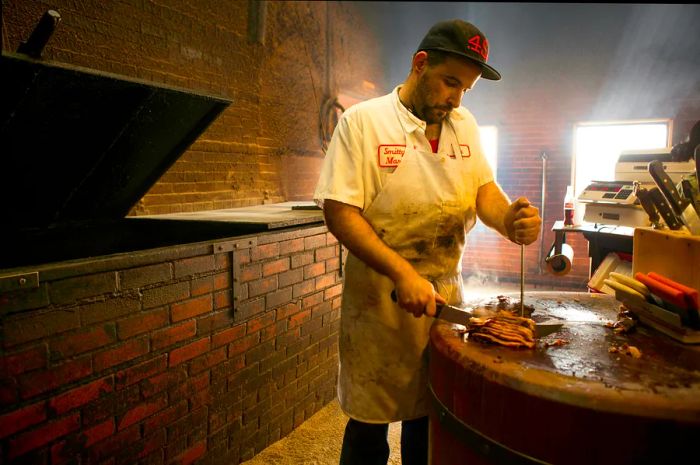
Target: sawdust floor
317	441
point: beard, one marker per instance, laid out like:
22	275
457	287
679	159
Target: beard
431	114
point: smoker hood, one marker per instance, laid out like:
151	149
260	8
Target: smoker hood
77	144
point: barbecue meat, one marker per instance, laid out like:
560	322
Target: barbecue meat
504	328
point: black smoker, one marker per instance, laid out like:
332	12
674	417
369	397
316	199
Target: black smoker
79	148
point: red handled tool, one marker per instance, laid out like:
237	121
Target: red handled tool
690	294
663	291
677	300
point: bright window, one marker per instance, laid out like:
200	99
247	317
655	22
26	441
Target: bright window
597	147
489	143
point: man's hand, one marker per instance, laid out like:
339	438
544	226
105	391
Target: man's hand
522	222
417	295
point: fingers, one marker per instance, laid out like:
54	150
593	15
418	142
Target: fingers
431	308
526	231
526	221
418	306
418	312
523	208
521	202
418	298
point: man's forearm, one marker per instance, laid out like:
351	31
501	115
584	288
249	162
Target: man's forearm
491	206
518	221
348	225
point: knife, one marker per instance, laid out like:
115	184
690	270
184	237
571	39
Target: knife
648	206
688	193
461	316
670	298
664	209
681	207
623	292
692	295
692	316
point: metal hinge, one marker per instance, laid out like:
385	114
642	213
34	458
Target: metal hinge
19	281
230	246
233	247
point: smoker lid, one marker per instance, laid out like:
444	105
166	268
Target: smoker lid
77	144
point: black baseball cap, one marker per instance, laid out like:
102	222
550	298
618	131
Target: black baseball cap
461	38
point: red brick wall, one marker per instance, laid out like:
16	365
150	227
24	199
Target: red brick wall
207	352
266	147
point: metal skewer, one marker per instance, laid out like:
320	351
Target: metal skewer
522	280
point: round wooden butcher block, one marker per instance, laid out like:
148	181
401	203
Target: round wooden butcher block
577	403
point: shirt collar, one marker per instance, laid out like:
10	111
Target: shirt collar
410	121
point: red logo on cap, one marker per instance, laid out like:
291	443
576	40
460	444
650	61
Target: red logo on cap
479	46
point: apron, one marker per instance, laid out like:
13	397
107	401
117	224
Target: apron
422	212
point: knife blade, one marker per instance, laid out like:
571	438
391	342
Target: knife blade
687	189
664	209
681	207
648	206
689	193
461	316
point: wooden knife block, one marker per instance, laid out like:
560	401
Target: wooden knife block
673	254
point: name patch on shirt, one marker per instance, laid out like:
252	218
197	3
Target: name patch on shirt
464	151
390	156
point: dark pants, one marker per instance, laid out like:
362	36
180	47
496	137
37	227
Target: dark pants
366	444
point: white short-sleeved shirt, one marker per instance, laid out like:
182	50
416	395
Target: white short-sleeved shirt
370	139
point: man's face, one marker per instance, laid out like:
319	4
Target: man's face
441	87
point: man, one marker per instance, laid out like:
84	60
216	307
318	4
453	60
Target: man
403	180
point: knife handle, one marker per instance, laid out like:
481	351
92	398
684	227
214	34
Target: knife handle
687	189
664	209
648	205
692	296
690	195
667	293
666	186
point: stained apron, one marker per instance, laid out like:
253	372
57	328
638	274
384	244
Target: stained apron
423	212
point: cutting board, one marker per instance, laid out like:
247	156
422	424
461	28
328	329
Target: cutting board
579	403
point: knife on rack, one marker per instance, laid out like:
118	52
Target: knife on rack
681	207
664	209
689	193
671	298
461	316
648	205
